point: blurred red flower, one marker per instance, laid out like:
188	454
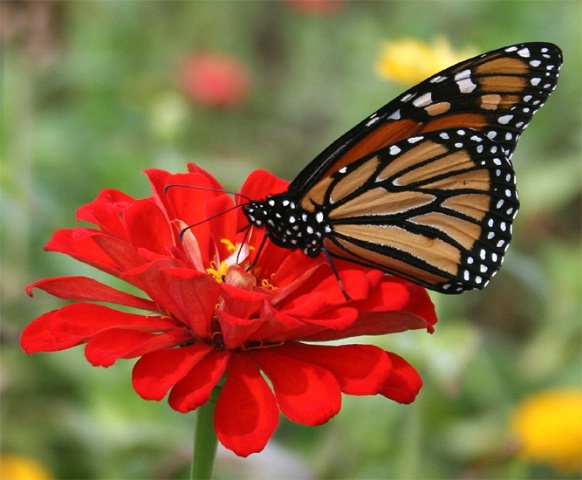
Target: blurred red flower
317	7
214	80
206	317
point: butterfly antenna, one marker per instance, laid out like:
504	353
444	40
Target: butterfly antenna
207	189
185	229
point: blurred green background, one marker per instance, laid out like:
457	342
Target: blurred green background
91	97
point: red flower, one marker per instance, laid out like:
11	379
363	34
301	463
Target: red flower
214	80
206	316
317	7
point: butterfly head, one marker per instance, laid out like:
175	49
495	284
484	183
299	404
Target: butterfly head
287	224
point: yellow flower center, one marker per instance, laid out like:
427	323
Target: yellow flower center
238	256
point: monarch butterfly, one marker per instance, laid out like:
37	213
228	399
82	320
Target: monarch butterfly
423	188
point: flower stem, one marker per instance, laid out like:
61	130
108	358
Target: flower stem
205	441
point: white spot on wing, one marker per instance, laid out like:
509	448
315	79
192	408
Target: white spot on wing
463	80
394	150
423	100
395	116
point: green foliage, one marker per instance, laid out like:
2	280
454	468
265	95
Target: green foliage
96	102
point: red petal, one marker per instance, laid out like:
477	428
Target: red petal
105	211
147	227
120	251
106	347
189	295
241	303
222	223
36	337
373	324
187	204
403	383
237	331
181	201
290	269
246	411
306	393
395	306
354	280
84	288
102	251
397	294
74	324
359	369
196	387
155	373
315	311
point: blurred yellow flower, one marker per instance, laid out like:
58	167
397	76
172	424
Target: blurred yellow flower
408	61
549	429
18	467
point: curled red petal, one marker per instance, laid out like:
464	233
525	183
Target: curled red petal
106	211
196	387
306	393
74	324
84	288
246	411
359	369
106	347
156	372
403	383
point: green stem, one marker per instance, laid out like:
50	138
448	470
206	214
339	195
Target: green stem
205	441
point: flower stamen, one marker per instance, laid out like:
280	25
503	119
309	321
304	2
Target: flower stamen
231	247
219	273
266	283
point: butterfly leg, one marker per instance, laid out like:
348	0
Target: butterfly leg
261	246
336	273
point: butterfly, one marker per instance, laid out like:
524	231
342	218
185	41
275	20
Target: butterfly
423	188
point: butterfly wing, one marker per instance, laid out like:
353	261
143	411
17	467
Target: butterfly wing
435	209
496	93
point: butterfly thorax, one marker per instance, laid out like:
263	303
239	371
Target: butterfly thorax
288	225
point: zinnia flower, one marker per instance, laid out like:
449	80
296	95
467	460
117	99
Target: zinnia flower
548	426
409	61
212	316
